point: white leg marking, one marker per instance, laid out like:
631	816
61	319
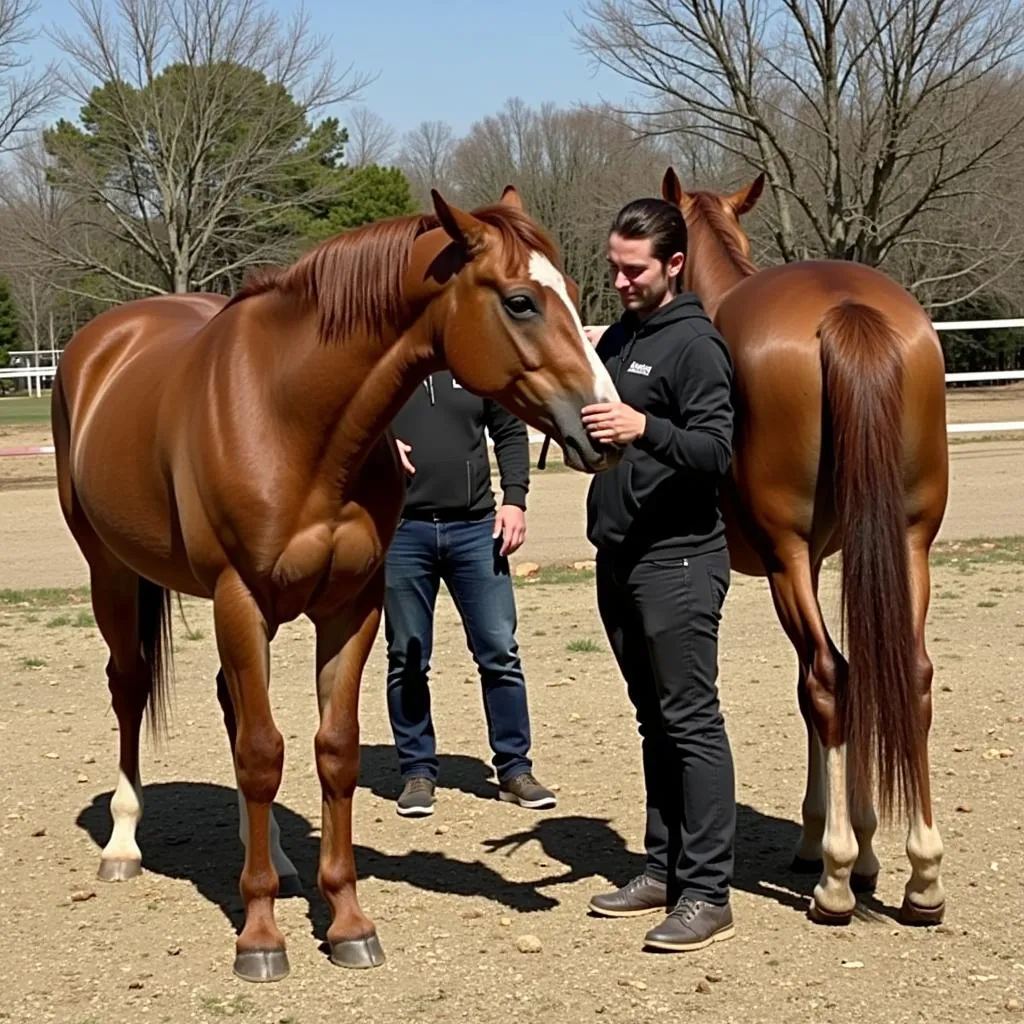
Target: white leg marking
865	824
839	845
543	271
924	849
814	804
282	863
126	810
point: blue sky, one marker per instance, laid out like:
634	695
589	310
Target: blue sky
449	60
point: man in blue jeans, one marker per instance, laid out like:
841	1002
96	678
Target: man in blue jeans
450	530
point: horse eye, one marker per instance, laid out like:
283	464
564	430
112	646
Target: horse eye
520	306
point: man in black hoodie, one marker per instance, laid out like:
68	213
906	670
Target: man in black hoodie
451	531
663	572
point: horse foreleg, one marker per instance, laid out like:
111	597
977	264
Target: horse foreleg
243	640
343	643
924	899
792	588
289	883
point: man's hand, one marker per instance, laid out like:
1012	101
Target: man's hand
613	422
403	455
594	334
510	525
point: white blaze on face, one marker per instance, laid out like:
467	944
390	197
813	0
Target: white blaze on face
543	271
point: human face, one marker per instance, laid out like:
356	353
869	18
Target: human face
643	282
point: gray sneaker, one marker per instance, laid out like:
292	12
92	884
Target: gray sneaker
642	895
526	791
693	924
417	799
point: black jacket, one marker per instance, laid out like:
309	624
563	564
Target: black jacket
445	424
661	500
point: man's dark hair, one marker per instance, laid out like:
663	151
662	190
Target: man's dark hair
657	220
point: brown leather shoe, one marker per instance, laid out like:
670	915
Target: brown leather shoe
642	895
693	924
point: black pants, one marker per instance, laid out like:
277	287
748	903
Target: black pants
662	621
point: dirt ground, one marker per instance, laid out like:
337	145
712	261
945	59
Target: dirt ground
452	894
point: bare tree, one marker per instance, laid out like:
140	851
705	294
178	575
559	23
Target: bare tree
196	147
867	115
371	139
426	159
28	93
575	169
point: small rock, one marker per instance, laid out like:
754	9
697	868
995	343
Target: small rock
714	977
528	944
83	778
81	895
961	748
852	963
505	922
441	830
994	754
135	985
524	569
586	566
703	987
1014	1005
964	808
174	950
52	755
39	832
88	759
473	914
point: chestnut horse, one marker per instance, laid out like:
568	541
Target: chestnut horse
238	450
840	444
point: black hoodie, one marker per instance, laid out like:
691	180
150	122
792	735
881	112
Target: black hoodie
661	500
445	424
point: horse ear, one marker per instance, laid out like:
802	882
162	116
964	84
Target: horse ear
671	188
746	199
510	197
460	226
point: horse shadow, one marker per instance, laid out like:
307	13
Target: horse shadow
190	832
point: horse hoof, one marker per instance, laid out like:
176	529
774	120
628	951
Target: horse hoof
819	915
119	870
358	953
864	884
803	866
261	965
914	915
289	885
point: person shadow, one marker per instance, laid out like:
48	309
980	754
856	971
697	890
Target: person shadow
189	827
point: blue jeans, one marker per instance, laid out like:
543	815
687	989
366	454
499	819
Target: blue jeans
465	556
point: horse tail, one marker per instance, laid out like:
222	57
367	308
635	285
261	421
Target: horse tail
157	651
862	367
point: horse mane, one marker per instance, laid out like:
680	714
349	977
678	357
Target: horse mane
355	278
710	208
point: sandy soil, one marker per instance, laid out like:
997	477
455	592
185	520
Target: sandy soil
451	895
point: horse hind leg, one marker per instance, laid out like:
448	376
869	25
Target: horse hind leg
793	592
115	602
924	899
290	884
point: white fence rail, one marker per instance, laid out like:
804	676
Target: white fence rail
36	375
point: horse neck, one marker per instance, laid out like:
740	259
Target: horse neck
713	268
341	396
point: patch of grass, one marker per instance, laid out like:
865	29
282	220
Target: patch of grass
227	1006
60	620
988	604
584	646
44	597
979	550
14	411
84	619
194	634
556	574
33	662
